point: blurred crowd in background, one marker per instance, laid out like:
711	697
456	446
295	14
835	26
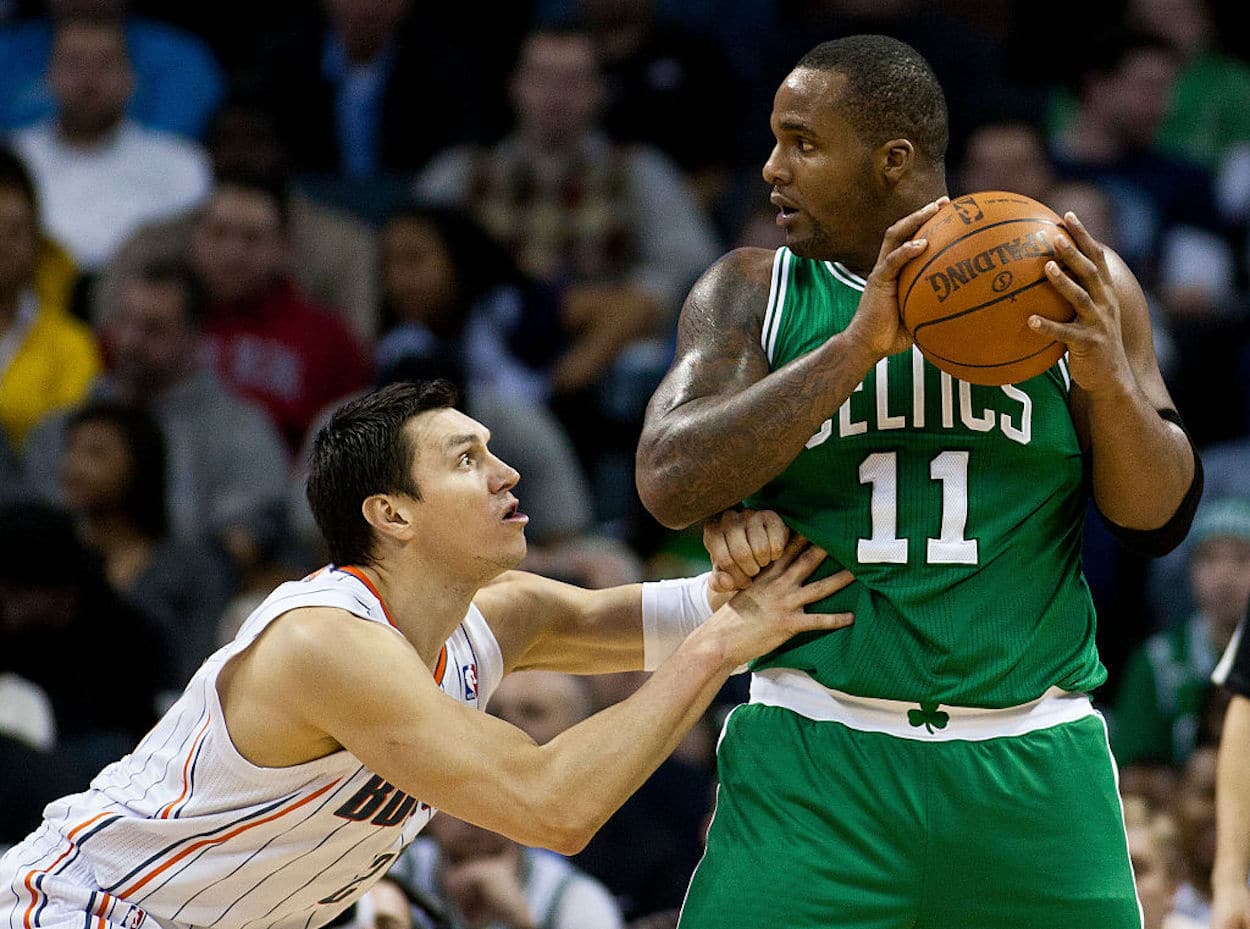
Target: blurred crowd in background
218	221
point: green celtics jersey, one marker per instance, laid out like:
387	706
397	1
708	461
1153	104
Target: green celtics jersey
958	508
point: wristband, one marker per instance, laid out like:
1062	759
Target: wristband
671	610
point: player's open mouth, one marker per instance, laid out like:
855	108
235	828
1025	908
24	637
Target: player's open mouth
786	210
513	514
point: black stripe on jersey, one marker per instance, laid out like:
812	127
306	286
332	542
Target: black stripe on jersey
329	835
139	768
97	828
368	835
16	887
243	864
173	759
38	882
199	835
90	910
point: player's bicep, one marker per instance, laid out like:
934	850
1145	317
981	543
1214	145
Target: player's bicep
375	697
544	624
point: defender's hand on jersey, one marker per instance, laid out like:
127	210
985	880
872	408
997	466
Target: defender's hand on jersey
770	611
1097	358
741	543
877	328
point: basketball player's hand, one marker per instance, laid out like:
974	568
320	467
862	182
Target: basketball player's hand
877	327
741	543
1097	359
771	610
1231	907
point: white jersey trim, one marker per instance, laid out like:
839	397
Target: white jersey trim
776	301
799	692
845	275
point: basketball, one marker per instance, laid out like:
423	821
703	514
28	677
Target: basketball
967	298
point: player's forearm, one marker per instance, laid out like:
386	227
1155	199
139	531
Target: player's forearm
1232	799
709	453
1142	464
591	769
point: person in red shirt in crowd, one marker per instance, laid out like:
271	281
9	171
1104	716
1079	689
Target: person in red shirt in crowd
267	340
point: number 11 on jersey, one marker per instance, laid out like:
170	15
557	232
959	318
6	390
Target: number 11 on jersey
950	468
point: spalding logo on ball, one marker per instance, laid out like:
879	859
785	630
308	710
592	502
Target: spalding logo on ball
967	298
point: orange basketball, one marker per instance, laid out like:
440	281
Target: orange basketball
967	298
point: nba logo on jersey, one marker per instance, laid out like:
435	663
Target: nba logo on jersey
470	681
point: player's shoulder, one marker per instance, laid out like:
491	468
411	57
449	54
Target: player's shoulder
736	286
746	264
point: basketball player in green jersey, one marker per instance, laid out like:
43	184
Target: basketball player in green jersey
938	764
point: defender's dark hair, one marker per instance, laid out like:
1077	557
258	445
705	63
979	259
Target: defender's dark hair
891	91
144	500
363	450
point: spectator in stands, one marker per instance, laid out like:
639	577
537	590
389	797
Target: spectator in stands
227	465
616	227
266	339
1008	153
333	257
112	477
1158	867
452	295
480	880
99	174
541	703
367	92
668	87
47	358
1170	231
177	80
1166	688
1194	810
60	628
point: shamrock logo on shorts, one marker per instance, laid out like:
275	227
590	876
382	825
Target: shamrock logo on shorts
928	716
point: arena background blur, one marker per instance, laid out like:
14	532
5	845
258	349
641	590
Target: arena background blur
218	220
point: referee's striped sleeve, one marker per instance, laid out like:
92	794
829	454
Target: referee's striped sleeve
1233	671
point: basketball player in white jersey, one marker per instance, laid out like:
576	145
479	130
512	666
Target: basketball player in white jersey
305	755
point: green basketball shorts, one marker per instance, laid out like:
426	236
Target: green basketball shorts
838	812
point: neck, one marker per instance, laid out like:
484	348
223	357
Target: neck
85	136
423	602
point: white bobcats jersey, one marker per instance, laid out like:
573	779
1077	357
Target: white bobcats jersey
186	832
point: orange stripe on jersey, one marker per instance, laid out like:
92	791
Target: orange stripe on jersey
31	876
364	579
186	771
191	849
441	667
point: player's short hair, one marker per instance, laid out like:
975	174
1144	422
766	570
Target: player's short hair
891	91
363	450
144	499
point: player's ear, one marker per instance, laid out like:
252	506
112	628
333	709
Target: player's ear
388	515
894	159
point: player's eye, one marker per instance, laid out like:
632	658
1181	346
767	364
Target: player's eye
466	459
804	145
